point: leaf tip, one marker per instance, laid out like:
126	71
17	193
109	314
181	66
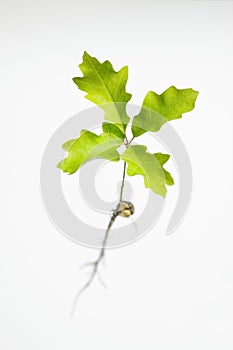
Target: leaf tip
196	92
86	54
60	164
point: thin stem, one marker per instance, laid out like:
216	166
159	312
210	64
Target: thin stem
130	141
126	139
122	183
127	144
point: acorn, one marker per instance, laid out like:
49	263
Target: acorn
125	209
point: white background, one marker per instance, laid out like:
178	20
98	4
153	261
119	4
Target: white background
164	292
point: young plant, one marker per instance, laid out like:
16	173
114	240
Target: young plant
107	88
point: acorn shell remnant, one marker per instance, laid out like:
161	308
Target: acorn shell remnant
125	209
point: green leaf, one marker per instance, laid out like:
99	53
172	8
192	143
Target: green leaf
146	164
106	88
89	146
112	129
162	159
158	109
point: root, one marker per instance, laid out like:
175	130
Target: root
95	264
124	209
